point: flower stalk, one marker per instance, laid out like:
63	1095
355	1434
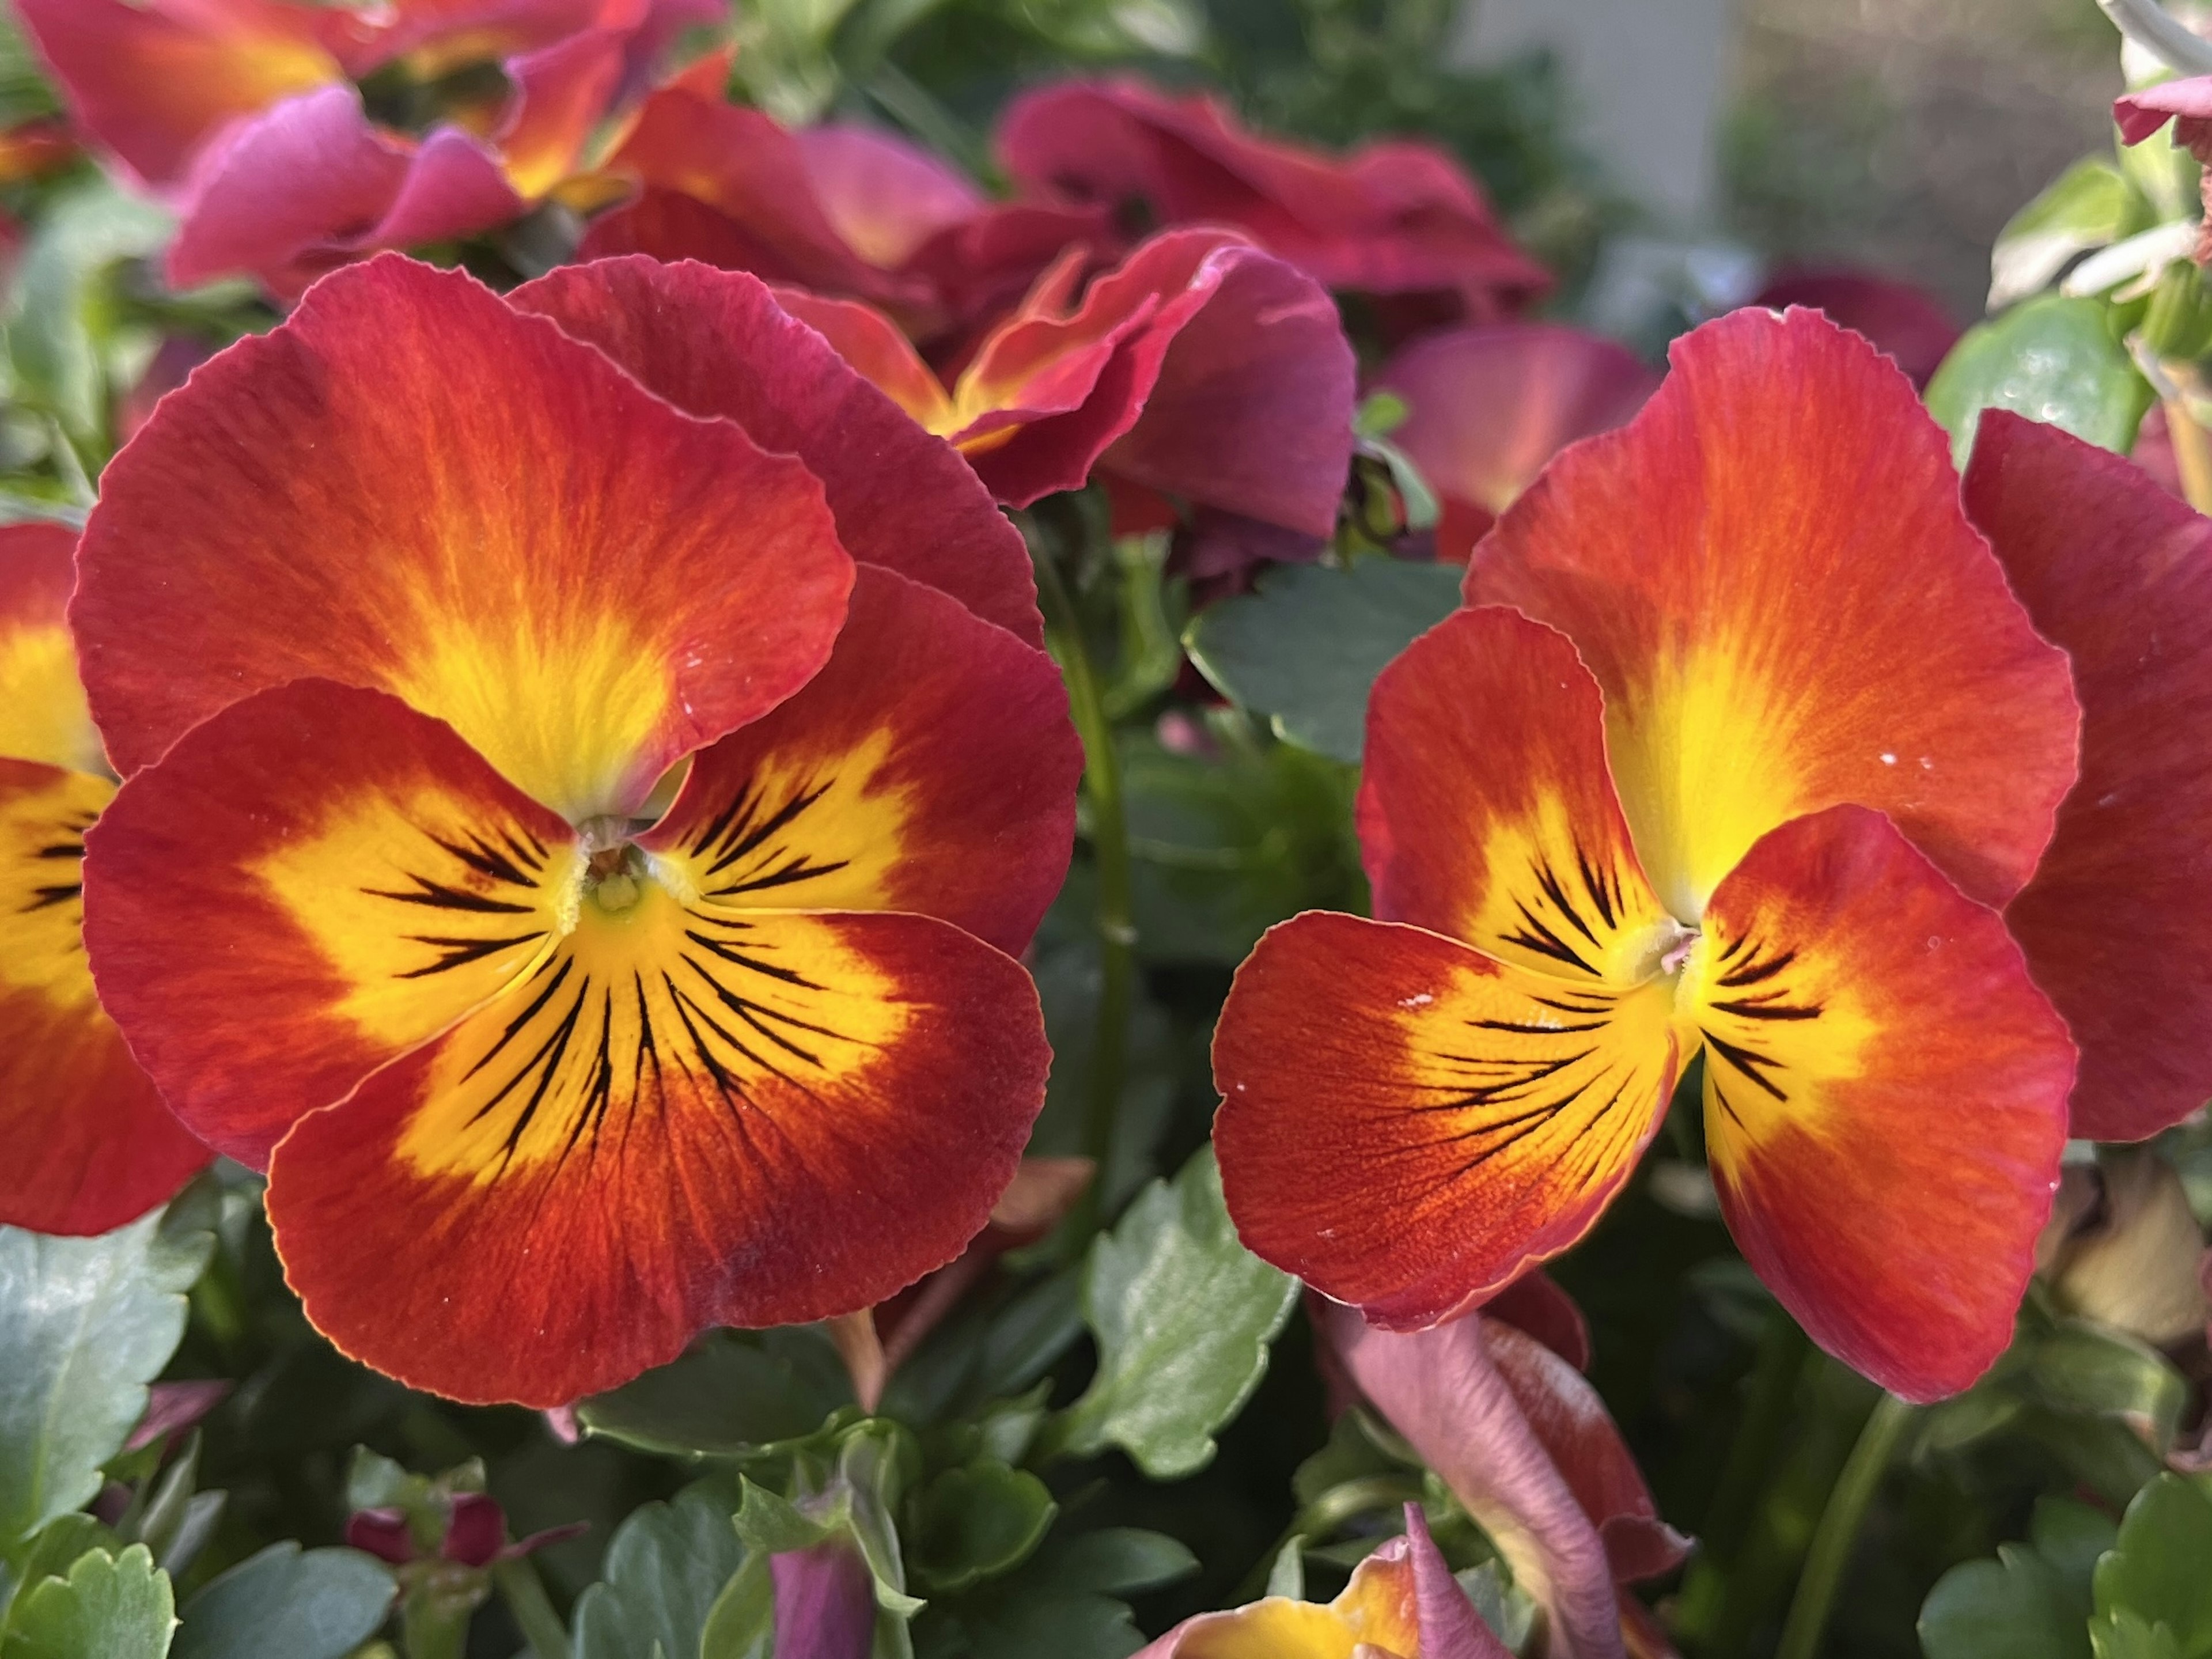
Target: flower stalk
1838	1528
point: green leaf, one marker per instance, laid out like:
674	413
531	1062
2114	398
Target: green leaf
287	1603
1306	647
666	1569
108	1607
735	1394
1184	1314
1286	1575
48	1552
1064	1603
1225	847
2071	1536
86	1324
2091	204
2017	1606
977	1523
2053	359
2160	1569
61	325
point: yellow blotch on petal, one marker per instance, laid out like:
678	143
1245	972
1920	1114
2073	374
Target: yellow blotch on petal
419	907
1700	756
561	711
42	896
1374	1616
1550	906
1780	1022
651	1003
43	713
822	833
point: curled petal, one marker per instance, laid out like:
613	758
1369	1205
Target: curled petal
880	353
312	882
681	1116
1450	1627
1566	1415
1380	1611
152	83
715	344
410	486
43	714
2117	921
825	1600
1885	1097
1440	1390
1486	813
89	1143
2142	113
1536	1304
310	183
1770	575
560	93
1488	405
1407	1124
929	767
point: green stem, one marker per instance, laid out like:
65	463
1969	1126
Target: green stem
1838	1529
525	1598
1774	1379
1109	843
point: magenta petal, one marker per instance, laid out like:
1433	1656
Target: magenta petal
1251	413
1488	405
308	184
382	1533
825	1604
2141	113
1439	1389
475	1529
174	1406
885	196
1450	1627
1906	321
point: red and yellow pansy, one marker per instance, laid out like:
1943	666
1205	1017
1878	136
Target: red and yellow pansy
1748	748
91	1146
546	1074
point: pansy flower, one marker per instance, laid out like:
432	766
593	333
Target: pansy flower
1394	217
90	1145
400	622
1487	405
246	114
1402	1603
1200	368
1746	750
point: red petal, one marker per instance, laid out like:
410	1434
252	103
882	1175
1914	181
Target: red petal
1486	813
930	767
411	486
2117	921
311	883
1905	321
716	345
685	1117
89	1143
1885	1097
1770	575
1407	1124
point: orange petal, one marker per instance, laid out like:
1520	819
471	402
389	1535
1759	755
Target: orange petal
683	1116
89	1143
312	882
873	344
410	486
1770	575
43	716
1485	811
715	344
562	92
930	767
1407	1124
1885	1097
2118	922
